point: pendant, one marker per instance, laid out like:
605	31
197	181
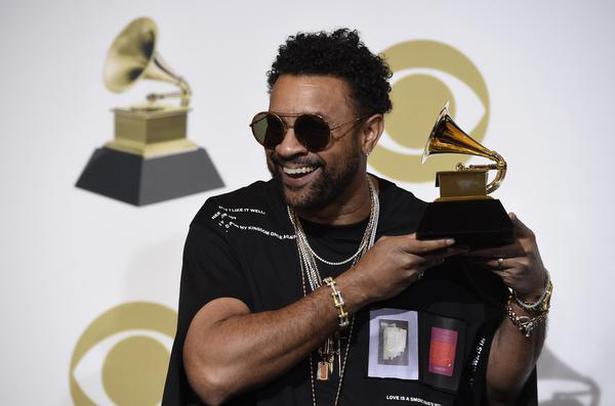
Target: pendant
331	363
322	371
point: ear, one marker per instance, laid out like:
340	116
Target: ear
372	130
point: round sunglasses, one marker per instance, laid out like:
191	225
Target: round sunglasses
311	130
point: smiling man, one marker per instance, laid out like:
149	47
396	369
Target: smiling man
311	288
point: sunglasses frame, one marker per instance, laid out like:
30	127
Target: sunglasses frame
300	138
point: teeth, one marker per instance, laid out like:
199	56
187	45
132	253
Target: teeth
297	171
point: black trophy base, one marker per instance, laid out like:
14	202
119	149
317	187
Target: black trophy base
474	223
139	181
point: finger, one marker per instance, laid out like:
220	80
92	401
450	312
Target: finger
522	229
431	260
479	263
491	266
499	264
511	250
415	246
504	276
429	263
446	253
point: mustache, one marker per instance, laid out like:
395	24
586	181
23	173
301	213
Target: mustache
298	161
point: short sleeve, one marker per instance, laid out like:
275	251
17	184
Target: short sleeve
210	270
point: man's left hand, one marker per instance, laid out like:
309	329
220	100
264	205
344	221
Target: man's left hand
518	264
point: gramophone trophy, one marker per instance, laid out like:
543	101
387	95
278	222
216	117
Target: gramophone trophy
150	159
464	211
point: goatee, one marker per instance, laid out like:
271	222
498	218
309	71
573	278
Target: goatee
323	190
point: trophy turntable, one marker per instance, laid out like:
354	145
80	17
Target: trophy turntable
150	158
464	211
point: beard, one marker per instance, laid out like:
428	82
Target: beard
333	180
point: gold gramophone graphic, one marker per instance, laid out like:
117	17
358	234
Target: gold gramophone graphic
464	210
150	158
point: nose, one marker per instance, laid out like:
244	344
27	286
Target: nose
290	145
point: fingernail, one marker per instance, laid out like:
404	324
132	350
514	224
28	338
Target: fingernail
450	241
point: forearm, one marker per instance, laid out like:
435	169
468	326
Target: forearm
512	358
228	351
243	351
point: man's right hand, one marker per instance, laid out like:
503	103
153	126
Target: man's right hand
394	263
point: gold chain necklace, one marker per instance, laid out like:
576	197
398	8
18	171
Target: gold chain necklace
309	267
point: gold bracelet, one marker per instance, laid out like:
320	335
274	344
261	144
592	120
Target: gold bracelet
338	301
542	305
525	324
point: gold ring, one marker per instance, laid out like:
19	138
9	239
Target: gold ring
500	263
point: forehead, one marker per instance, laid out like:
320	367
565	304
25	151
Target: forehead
325	95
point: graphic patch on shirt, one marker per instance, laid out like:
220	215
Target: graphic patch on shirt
443	343
442	351
243	219
393	344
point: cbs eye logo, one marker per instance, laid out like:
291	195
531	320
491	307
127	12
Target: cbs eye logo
123	356
424	72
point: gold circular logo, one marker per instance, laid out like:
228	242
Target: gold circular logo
135	366
417	98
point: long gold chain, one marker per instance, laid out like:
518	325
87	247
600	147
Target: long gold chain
310	268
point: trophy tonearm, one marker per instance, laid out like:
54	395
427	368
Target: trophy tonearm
466	181
464	210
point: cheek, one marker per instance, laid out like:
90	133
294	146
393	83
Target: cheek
341	154
333	164
268	158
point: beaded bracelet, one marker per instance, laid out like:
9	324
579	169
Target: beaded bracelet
338	301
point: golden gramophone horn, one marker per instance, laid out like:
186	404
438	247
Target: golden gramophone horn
447	138
133	57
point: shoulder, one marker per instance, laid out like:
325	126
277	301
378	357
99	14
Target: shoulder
400	209
397	198
251	198
257	207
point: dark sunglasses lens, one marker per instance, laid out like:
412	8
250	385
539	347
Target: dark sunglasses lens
267	129
312	131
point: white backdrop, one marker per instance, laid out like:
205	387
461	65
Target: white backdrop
67	255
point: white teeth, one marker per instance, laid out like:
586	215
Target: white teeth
297	171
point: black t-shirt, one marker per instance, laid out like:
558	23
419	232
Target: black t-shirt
242	245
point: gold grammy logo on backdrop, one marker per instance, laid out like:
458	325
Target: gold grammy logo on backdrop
416	96
123	356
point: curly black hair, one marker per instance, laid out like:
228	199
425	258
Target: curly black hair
340	54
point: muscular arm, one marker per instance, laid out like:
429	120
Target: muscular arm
511	361
513	356
229	350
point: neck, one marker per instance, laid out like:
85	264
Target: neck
352	206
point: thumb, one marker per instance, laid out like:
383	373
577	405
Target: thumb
521	228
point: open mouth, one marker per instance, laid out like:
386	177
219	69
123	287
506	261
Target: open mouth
298	172
298	177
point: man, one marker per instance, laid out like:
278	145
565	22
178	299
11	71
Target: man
312	288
